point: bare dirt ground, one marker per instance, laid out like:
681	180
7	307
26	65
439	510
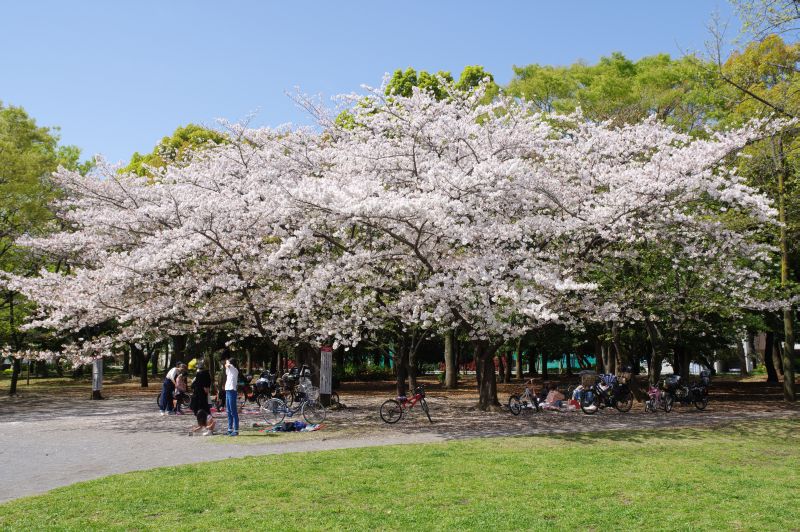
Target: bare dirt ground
52	438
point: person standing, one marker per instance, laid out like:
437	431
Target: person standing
201	386
168	389
231	383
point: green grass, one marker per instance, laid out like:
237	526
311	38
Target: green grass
743	476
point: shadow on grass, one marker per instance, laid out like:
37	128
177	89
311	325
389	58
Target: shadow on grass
773	430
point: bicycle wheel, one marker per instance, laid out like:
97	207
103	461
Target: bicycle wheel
427	410
313	412
589	405
514	405
391	411
273	411
669	402
701	403
624	402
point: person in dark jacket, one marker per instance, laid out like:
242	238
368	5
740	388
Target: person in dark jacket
201	386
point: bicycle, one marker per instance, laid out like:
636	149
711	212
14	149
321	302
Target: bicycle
526	401
392	410
275	410
181	400
657	400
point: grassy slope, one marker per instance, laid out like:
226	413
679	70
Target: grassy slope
743	476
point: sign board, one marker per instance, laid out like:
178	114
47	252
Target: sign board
326	370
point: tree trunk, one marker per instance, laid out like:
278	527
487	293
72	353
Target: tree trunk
138	355
619	355
656	354
777	355
450	371
401	367
502	367
16	369
788	357
742	350
487	382
769	362
178	349
788	319
518	371
682	356
411	361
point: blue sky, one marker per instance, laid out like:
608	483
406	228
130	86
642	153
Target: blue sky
117	76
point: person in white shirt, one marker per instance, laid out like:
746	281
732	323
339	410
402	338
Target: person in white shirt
231	383
168	389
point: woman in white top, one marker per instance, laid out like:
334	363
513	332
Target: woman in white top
231	383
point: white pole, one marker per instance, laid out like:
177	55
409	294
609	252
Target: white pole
97	378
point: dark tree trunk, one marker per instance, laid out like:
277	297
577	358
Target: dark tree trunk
401	367
178	349
777	355
487	381
16	369
619	352
769	362
141	361
656	354
450	367
532	360
411	361
682	355
568	357
788	357
518	371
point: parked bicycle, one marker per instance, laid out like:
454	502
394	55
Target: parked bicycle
657	400
606	391
274	410
287	387
695	393
393	410
525	401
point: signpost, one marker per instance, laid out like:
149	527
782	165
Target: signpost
326	374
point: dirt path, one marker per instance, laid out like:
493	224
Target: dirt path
44	444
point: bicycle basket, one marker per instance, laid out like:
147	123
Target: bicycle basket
311	392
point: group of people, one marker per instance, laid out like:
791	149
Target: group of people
174	390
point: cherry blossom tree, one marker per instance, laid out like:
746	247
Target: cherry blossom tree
417	215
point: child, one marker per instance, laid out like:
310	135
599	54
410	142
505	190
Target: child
205	422
181	386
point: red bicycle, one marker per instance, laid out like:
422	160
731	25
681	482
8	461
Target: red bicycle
393	410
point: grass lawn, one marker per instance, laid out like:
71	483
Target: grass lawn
742	476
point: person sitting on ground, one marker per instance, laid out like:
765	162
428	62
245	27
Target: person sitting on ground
205	422
181	387
543	392
554	397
